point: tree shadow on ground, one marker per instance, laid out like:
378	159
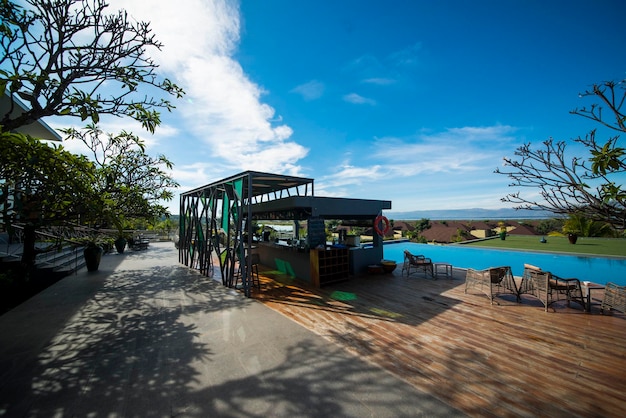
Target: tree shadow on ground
389	297
127	333
166	341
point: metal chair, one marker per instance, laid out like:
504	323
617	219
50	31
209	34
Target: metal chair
416	263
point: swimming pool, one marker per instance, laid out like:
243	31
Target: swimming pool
594	269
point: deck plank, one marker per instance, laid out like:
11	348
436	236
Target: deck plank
486	360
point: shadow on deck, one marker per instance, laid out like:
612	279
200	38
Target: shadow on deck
500	360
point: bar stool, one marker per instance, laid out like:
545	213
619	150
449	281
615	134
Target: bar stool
254	270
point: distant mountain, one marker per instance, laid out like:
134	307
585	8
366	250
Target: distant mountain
470	214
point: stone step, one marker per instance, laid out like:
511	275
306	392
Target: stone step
66	261
62	262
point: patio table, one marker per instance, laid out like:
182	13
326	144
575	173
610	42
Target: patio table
587	287
443	268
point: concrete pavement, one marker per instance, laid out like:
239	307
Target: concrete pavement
147	337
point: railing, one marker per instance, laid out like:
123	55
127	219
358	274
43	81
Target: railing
72	234
52	240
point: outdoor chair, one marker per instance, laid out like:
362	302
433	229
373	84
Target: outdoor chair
549	288
414	263
614	298
492	281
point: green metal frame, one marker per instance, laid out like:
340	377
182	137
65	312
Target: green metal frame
228	204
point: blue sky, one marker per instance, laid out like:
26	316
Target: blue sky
410	101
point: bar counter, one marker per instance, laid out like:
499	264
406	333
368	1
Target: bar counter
315	264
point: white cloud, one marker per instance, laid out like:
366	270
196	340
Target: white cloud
408	56
379	81
187	28
391	69
222	106
358	99
454	150
349	175
311	90
452	169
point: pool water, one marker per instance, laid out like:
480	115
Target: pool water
593	269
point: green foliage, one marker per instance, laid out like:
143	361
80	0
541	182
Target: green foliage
608	158
458	237
131	183
44	185
58	56
582	226
420	239
167	226
549	225
63	53
422	225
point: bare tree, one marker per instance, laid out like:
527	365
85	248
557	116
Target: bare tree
590	185
58	55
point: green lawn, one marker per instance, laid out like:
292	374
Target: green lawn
599	246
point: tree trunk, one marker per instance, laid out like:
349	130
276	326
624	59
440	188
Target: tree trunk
29	253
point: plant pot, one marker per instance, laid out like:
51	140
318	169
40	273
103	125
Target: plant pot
93	255
375	269
572	238
388	266
120	245
502	236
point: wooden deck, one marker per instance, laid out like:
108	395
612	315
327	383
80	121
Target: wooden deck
502	360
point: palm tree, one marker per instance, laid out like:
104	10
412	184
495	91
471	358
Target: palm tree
578	224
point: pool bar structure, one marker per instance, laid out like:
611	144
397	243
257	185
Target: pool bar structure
221	218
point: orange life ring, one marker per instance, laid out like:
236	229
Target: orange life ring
379	219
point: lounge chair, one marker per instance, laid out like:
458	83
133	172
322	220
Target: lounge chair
548	287
492	281
414	263
614	298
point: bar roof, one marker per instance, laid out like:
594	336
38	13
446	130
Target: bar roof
263	183
323	207
278	196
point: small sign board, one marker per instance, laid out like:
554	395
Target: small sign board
316	232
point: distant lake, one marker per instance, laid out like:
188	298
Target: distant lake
469	214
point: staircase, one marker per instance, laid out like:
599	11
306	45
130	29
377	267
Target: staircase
61	263
55	264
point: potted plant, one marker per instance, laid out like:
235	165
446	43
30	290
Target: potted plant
120	243
572	237
572	227
107	244
121	239
95	245
502	232
93	256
